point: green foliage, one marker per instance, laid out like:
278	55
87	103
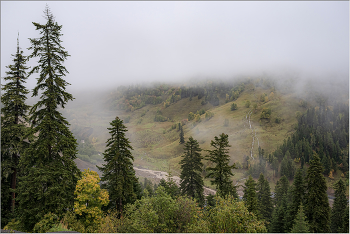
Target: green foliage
160	118
208	115
59	228
317	208
89	199
170	186
340	209
281	189
118	172
265	113
265	205
278	221
49	172
222	171
298	192
182	138
300	223
191	170
232	216
233	106
46	223
162	213
247	104
287	166
277	120
250	197
197	118
190	116
13	131
15	225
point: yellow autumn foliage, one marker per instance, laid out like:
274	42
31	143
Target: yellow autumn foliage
90	198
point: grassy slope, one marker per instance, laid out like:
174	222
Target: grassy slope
157	150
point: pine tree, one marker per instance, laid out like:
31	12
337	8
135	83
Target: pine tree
278	216
340	208
281	189
182	138
250	197
300	224
298	191
13	130
265	205
191	166
317	207
118	172
222	171
50	174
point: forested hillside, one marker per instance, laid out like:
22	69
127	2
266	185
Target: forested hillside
241	154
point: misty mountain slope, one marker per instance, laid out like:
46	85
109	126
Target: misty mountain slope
156	144
152	115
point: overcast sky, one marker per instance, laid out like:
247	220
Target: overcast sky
112	43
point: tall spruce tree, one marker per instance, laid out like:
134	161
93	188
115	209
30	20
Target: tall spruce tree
49	172
265	205
13	131
340	209
298	191
278	221
317	208
281	189
118	172
222	171
191	166
250	197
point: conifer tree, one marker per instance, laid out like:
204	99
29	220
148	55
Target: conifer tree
118	172
222	171
281	189
317	207
250	197
298	191
13	130
265	205
182	138
300	223
278	216
340	209
191	166
50	174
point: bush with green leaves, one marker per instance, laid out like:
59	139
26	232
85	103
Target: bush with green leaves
231	215
46	223
162	213
265	113
233	106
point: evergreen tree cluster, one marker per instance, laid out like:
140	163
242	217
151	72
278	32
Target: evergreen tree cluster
321	129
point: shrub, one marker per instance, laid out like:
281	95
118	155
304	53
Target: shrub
190	116
265	113
247	104
233	106
46	223
278	120
230	215
209	115
16	225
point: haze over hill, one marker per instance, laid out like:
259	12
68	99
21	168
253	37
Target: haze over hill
134	42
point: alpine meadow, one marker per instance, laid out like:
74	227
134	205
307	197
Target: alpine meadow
175	117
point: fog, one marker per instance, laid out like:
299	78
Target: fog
120	43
